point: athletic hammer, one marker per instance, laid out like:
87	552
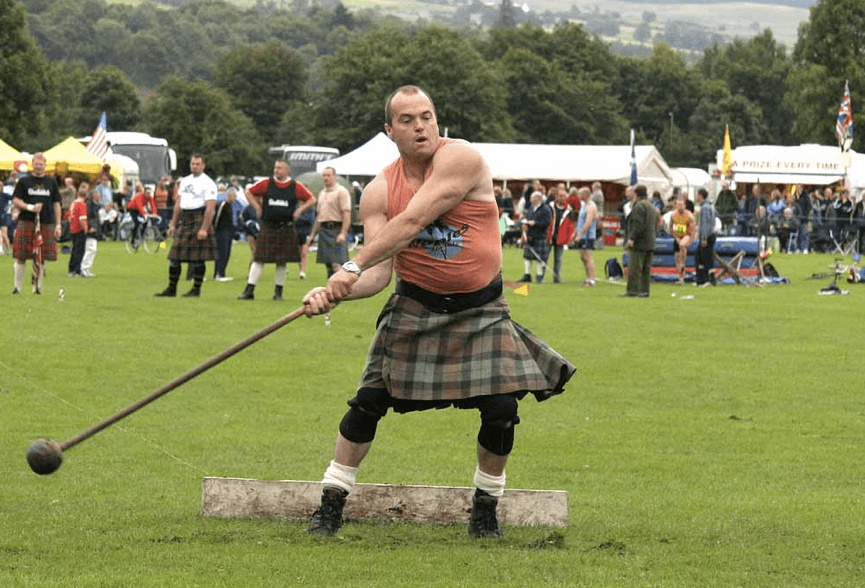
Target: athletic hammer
45	456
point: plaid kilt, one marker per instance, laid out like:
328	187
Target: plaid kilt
277	243
25	239
540	246
328	250
186	246
423	356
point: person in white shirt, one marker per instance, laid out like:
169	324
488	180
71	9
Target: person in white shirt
194	239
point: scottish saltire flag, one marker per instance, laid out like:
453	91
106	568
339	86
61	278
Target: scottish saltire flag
633	159
844	124
98	144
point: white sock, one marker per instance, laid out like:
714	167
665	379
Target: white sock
279	275
492	485
20	268
255	271
528	265
340	476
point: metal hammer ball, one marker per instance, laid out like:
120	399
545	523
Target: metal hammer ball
44	457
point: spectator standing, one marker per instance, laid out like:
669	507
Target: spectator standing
191	226
641	230
332	223
586	233
224	226
78	229
534	238
705	259
598	199
561	230
37	199
251	228
93	231
303	227
104	189
843	208
276	203
68	193
726	205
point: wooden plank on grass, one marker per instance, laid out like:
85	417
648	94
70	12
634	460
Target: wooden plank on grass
239	497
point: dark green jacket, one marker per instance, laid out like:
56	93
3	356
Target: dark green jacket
643	225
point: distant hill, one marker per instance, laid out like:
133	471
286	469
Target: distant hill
791	3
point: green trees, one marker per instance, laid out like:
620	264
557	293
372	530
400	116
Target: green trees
830	50
263	82
25	87
196	117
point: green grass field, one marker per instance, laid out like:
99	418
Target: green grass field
708	442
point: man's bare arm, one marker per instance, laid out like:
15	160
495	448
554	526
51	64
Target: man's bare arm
457	171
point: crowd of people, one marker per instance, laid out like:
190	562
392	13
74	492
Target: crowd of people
800	219
107	210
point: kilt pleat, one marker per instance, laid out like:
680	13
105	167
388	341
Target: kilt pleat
186	246
277	243
329	251
25	239
419	355
540	247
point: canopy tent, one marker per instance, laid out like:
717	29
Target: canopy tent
804	164
70	156
8	156
691	179
367	160
508	162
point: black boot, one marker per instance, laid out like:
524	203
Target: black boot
248	293
484	522
327	519
194	293
277	293
525	279
167	293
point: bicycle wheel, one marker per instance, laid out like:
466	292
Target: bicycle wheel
151	240
129	243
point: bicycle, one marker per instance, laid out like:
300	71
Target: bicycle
150	236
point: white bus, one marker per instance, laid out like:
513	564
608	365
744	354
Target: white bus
302	158
154	157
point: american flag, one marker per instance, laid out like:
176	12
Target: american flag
844	124
98	144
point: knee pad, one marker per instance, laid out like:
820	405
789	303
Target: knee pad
498	418
366	409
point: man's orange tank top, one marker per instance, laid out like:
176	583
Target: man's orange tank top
461	251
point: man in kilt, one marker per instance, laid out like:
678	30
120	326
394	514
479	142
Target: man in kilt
275	200
332	223
445	337
536	247
38	200
191	226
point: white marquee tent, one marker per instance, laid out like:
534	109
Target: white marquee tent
516	162
803	164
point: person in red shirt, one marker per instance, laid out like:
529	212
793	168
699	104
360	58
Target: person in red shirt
78	229
137	207
279	201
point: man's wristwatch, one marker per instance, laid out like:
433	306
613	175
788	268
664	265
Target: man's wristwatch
352	268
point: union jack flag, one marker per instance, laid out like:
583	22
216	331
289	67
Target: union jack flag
844	124
98	144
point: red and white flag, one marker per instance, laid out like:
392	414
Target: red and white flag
844	124
98	144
